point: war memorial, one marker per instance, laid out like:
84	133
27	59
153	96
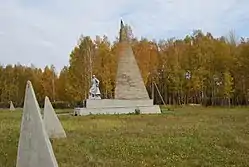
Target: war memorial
130	91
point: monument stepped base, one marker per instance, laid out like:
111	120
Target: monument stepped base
115	106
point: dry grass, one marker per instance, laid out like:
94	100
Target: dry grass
189	136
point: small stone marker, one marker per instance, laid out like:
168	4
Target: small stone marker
52	123
34	147
12	108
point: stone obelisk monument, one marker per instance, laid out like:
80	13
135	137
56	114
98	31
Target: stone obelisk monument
130	91
129	82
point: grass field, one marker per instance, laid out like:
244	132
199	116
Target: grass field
184	137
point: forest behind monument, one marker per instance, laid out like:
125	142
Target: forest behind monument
197	69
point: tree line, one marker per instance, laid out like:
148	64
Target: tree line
197	69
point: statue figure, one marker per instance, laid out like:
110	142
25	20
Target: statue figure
94	90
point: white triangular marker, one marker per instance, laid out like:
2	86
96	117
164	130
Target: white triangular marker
12	108
34	147
51	121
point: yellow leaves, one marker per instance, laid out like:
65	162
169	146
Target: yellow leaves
166	61
228	83
147	58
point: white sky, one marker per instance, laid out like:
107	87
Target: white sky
44	32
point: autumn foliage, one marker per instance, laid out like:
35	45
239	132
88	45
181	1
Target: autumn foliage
197	69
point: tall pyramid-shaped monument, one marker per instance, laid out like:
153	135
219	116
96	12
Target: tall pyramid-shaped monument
130	91
129	82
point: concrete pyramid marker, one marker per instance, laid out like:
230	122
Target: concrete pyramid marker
52	123
12	108
34	147
129	81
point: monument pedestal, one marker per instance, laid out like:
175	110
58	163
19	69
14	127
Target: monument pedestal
116	106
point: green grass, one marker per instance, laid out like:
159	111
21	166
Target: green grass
64	111
186	136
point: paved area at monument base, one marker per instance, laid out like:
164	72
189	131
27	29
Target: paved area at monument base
114	106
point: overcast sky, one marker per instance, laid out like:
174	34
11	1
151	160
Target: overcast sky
44	32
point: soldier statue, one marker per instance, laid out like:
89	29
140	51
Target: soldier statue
94	92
